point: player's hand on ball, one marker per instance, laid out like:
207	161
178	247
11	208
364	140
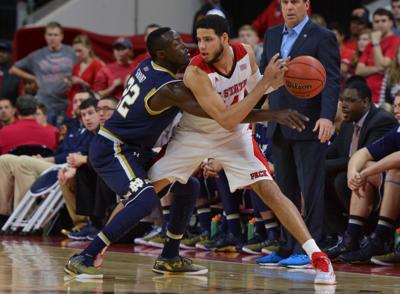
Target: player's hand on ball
275	71
291	118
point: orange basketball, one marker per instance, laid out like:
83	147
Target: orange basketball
305	78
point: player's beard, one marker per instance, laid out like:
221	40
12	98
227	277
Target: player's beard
217	55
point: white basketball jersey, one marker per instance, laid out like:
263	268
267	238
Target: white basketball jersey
231	89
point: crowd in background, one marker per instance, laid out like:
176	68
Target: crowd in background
59	95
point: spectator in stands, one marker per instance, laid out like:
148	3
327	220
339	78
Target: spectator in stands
378	54
17	173
318	19
48	67
8	83
248	35
391	81
149	28
359	21
30	88
346	54
84	72
363	124
110	79
41	118
363	39
269	17
215	7
26	130
395	4
7	112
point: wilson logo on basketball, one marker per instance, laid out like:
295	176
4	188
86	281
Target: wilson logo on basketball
296	86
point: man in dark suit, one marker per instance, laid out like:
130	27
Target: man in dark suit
299	156
362	117
363	124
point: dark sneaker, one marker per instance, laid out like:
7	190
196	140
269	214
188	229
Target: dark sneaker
229	243
83	233
374	246
389	259
82	266
348	244
190	242
255	245
178	266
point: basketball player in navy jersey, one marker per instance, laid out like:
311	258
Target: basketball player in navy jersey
122	149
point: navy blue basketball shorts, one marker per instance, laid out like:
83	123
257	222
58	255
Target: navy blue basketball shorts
121	166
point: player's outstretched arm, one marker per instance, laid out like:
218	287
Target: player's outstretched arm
392	161
229	116
177	94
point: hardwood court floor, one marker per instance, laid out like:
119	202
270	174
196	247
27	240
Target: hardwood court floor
36	266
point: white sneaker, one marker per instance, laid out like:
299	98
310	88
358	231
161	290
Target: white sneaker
145	239
323	268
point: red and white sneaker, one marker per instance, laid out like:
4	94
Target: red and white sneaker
323	268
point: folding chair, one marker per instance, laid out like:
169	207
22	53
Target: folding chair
39	205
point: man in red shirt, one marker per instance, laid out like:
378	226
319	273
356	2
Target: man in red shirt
377	56
7	112
26	130
111	78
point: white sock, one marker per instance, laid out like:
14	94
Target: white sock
310	247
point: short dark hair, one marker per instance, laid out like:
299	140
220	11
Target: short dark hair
385	12
89	103
26	105
215	22
6	98
155	41
89	92
111	98
42	107
362	89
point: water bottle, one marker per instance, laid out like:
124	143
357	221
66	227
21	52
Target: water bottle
215	221
251	228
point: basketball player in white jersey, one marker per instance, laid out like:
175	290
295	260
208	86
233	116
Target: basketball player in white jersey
218	78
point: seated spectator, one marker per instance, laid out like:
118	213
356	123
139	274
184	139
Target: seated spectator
111	78
30	88
7	112
346	54
26	130
395	5
378	54
363	124
17	173
364	178
8	83
48	67
84	72
41	118
80	184
248	35
364	38
150	28
391	81
359	21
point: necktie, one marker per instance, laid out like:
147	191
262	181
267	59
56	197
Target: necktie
354	140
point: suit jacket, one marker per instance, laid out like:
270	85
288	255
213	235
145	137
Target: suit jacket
320	43
377	123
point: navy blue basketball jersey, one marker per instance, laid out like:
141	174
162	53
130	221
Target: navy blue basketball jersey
133	122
